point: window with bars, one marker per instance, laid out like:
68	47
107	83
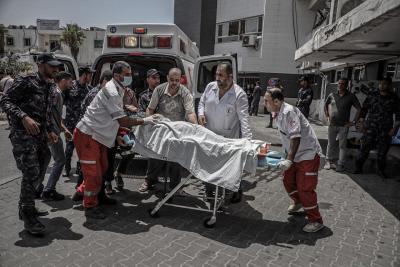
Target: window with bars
27	41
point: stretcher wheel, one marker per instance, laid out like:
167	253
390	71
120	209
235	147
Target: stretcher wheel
153	214
210	222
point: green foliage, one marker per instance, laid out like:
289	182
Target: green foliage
10	65
73	37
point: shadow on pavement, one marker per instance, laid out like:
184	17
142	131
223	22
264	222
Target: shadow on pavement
56	228
384	191
239	226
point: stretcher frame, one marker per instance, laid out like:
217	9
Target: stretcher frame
219	200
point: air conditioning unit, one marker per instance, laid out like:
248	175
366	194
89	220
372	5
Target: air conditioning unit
249	40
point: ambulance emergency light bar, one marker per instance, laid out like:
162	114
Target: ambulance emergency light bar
140	37
146	41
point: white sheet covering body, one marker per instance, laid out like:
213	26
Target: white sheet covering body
208	156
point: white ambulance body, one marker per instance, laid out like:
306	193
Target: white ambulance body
159	46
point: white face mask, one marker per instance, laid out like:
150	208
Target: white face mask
126	81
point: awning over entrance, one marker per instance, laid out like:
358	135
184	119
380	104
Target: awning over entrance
367	33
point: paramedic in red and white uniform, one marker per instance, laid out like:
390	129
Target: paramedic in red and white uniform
300	168
98	130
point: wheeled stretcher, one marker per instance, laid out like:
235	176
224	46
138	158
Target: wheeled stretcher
250	155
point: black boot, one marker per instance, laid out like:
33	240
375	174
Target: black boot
28	214
237	196
104	199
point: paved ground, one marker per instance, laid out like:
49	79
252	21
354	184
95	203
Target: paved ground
361	213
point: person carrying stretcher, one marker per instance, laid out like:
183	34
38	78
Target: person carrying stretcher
300	168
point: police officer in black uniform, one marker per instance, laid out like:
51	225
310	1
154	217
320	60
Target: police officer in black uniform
27	103
379	108
304	96
73	100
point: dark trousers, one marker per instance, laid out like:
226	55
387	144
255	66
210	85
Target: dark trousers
161	168
254	106
69	150
377	137
109	175
32	156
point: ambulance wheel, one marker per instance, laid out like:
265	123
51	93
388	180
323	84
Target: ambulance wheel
210	222
153	214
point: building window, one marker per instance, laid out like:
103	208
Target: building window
27	41
397	74
234	30
260	24
10	41
391	69
251	25
182	46
98	43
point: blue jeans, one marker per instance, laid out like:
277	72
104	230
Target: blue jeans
57	151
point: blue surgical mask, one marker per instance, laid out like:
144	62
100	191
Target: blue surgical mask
127	81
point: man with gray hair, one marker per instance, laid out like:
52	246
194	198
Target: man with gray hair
97	131
175	102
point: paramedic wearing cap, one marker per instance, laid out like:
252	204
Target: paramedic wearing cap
27	103
301	167
97	131
223	109
73	101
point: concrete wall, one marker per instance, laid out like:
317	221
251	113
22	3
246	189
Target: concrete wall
197	19
19	35
87	52
276	54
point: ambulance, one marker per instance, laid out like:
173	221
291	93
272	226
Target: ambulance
162	47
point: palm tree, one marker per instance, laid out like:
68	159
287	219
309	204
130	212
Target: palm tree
73	37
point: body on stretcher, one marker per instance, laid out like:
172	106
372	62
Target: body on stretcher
269	159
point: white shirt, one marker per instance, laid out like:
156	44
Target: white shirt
291	124
227	116
100	119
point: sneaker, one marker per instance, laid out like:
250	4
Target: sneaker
108	189
52	195
41	213
340	168
327	165
293	208
77	197
313	227
94	213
